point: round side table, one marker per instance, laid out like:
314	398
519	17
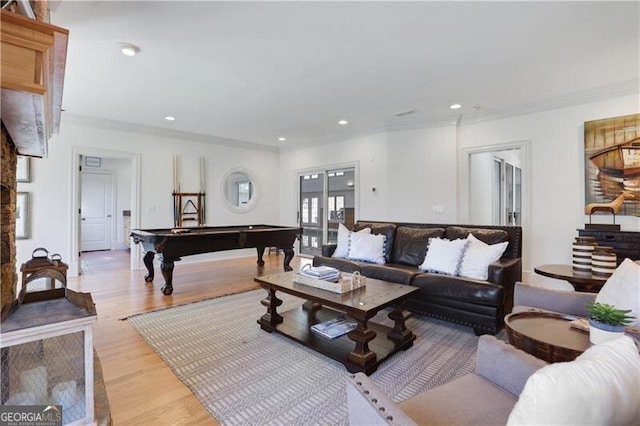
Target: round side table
581	281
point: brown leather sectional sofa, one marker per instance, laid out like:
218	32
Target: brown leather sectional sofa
475	303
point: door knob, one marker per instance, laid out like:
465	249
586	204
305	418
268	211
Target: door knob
83	218
108	215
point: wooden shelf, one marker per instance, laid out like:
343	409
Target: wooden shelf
33	56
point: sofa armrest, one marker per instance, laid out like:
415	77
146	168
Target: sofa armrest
369	405
505	365
566	302
328	249
505	271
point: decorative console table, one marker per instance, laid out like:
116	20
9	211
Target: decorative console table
626	244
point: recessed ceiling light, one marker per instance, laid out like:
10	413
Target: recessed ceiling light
281	139
343	122
455	106
129	49
170	118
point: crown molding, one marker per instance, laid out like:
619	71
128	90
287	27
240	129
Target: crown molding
629	87
325	140
123	126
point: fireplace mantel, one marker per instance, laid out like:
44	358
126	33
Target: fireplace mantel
33	60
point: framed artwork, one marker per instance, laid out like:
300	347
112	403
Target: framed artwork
22	216
612	165
23	169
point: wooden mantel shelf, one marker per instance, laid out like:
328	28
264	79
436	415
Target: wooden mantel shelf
33	57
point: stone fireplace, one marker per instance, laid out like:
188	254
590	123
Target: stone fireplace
8	276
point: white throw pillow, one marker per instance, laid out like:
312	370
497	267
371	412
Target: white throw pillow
600	387
366	247
443	256
477	257
342	250
622	289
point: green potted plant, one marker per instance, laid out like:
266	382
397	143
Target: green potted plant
606	321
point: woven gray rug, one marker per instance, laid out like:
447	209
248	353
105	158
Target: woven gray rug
245	376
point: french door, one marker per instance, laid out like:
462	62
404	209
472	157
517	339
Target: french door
508	188
327	198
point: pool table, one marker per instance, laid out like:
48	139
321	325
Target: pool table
172	244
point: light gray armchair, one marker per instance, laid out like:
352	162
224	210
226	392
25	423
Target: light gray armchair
526	297
485	396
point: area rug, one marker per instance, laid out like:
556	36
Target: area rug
245	376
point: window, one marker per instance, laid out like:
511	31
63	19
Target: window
314	242
305	210
305	240
314	210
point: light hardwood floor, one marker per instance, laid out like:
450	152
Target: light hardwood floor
140	386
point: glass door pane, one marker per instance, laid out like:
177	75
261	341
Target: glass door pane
509	193
517	208
340	201
310	213
327	198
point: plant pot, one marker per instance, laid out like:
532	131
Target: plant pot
600	333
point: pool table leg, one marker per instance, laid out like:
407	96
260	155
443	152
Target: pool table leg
148	262
260	251
288	256
166	266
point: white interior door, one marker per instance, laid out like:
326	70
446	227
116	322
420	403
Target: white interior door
95	211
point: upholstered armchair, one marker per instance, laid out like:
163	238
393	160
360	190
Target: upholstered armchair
511	387
485	396
526	297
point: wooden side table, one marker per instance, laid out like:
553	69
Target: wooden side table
581	281
546	335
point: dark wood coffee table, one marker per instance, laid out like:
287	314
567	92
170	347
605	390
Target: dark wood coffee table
546	335
373	342
581	281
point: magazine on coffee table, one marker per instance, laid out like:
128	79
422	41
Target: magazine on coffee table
335	327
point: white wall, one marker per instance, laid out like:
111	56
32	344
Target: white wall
412	171
557	169
51	185
481	187
422	175
415	170
368	153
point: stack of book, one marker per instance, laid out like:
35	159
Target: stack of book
335	327
324	273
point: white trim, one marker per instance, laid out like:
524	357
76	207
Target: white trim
123	126
527	183
136	179
323	169
222	190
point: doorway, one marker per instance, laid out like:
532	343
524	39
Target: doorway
495	184
124	168
326	199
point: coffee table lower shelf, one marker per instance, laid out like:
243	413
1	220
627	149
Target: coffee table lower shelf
296	326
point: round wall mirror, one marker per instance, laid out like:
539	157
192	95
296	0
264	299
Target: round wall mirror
238	190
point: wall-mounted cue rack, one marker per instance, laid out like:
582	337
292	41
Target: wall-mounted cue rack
188	208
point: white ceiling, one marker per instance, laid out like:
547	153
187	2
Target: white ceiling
255	71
